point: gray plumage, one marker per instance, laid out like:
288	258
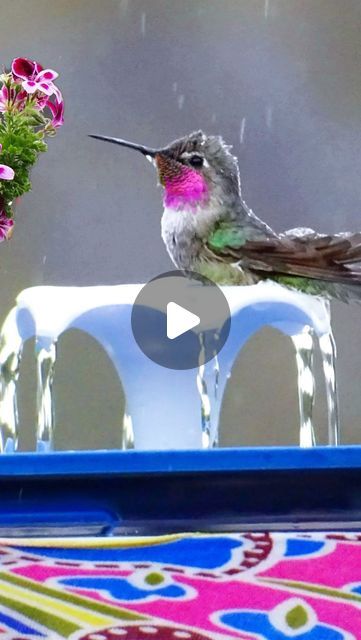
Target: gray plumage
222	238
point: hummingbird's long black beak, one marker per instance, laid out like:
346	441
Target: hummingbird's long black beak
146	151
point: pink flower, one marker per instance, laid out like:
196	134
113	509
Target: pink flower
6	227
34	77
6	173
57	109
24	68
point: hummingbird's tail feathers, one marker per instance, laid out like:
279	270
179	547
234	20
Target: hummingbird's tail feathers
329	258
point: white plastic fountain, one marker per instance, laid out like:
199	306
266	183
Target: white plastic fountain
187	415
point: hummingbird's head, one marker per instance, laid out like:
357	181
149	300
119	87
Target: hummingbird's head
192	169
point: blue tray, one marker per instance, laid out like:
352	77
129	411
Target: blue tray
132	492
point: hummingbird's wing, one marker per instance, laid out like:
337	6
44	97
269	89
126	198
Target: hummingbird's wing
333	258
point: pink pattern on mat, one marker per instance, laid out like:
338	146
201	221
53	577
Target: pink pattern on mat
206	587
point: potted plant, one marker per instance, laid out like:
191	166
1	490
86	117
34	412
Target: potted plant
31	109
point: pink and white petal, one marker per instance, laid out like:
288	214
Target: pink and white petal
58	94
4	99
4	94
30	86
57	110
23	68
1	147
59	116
46	74
6	173
38	67
46	87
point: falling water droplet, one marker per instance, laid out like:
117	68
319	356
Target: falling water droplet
46	356
266	9
175	87
214	118
303	343
242	130
269	116
44	259
143	23
180	101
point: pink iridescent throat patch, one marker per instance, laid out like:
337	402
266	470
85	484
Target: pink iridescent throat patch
185	190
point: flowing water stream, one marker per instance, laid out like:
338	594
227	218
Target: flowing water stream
328	355
45	360
210	379
304	348
11	348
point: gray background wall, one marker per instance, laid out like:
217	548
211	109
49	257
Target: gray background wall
152	71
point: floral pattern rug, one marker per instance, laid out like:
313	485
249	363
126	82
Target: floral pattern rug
264	586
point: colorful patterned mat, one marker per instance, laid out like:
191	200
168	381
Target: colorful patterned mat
197	587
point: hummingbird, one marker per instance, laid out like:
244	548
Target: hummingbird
208	228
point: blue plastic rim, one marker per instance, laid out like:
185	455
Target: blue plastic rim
144	493
168	462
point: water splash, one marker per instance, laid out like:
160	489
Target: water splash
242	130
11	347
304	347
328	355
45	358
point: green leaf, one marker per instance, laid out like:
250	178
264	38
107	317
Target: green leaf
22	142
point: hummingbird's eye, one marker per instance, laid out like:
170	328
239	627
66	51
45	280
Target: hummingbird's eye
196	161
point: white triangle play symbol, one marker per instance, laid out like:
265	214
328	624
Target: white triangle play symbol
179	320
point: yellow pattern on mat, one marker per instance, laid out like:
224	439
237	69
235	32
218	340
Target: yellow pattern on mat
71	612
95	542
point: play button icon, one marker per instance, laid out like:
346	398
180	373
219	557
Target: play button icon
180	321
